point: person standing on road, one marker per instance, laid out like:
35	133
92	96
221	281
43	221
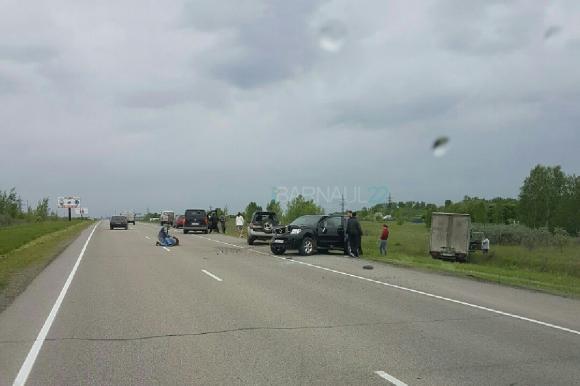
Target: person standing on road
354	235
383	240
485	246
346	238
240	223
223	223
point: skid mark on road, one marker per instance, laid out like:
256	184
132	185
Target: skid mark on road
418	292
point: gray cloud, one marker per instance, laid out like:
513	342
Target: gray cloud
27	53
273	42
240	97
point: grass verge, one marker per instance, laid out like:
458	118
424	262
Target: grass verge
547	269
30	255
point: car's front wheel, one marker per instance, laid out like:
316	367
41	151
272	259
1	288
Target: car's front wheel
185	231
251	240
277	249
307	247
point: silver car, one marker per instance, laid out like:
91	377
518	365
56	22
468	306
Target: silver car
261	226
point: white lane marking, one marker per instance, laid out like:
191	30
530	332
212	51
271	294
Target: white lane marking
33	353
211	275
167	249
390	378
439	297
148	238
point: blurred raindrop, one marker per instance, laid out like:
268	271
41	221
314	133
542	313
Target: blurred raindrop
552	31
331	35
440	146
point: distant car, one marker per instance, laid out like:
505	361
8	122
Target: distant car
167	217
118	222
311	233
179	221
195	221
261	226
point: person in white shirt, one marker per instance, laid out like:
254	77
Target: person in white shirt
240	223
485	246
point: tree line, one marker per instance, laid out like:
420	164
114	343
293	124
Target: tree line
12	210
548	199
295	208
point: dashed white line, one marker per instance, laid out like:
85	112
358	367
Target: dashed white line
31	357
390	378
434	296
167	249
148	238
211	275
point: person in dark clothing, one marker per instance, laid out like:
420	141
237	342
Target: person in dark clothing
347	249
223	223
213	223
354	232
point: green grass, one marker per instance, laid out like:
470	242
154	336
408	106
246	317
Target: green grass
548	269
15	236
28	249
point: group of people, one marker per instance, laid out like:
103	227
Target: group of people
353	236
215	221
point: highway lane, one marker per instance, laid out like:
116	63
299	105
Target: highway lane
139	314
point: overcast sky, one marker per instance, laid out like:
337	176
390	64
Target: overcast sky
185	104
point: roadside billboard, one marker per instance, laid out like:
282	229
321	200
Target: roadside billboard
69	202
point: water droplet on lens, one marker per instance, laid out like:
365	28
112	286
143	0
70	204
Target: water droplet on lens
440	146
331	35
552	31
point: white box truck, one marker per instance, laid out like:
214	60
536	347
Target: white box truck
130	217
450	236
167	217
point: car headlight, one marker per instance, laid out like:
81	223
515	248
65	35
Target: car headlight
295	231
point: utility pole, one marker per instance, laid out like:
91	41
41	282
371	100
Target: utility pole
341	203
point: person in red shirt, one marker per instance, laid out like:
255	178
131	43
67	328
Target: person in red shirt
383	240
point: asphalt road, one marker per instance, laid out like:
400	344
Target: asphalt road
214	311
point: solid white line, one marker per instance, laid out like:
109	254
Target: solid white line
390	378
211	275
31	357
167	249
492	310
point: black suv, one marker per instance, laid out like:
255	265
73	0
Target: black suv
311	233
118	222
261	226
195	220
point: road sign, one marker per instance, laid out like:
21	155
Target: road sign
69	202
82	211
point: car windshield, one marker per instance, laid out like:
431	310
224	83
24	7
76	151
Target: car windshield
306	221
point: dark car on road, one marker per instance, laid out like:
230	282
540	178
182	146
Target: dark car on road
195	221
261	226
118	222
311	233
179	221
